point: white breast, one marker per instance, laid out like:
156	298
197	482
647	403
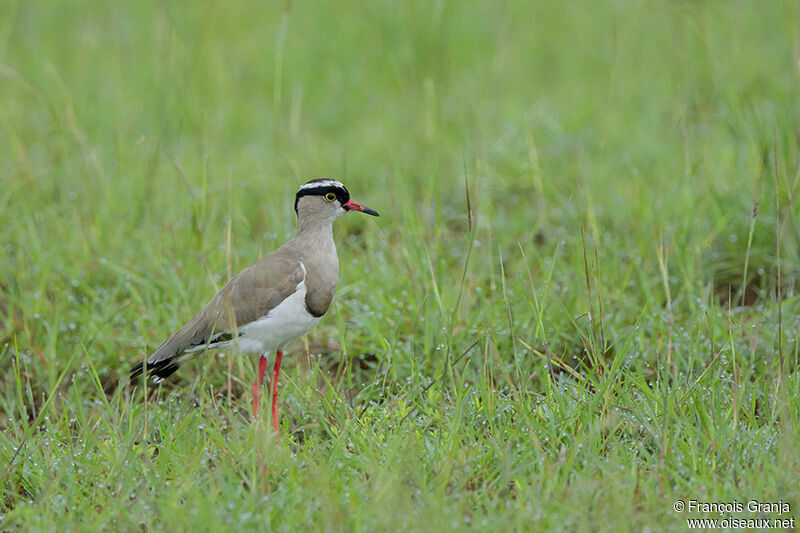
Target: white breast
284	323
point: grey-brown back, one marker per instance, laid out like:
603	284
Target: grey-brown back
253	292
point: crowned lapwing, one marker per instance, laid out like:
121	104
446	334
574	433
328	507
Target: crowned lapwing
273	302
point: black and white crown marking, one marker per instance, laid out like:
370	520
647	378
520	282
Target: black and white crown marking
321	187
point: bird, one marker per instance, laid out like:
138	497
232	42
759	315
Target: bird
273	302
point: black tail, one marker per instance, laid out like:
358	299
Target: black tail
159	370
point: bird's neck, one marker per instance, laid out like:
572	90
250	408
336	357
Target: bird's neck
316	242
319	233
314	246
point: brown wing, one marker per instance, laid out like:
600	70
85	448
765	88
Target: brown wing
248	296
254	292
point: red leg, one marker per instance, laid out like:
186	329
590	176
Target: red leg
276	370
262	367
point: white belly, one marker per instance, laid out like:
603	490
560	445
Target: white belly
286	322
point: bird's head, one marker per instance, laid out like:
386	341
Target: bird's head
324	200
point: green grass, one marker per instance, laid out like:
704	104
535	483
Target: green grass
569	352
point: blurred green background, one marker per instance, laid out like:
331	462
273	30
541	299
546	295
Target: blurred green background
600	186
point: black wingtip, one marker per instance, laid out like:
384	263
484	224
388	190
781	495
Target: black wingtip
159	370
136	371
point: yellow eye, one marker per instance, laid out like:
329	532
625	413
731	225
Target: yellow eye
330	197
